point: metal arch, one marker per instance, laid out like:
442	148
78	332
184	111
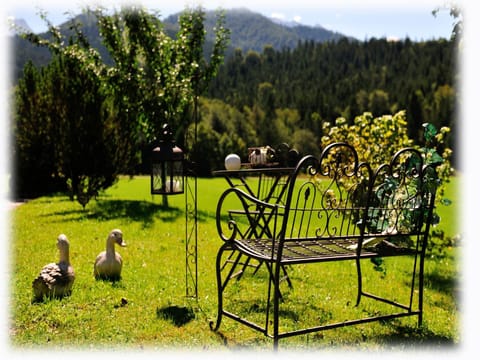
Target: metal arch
191	210
191	235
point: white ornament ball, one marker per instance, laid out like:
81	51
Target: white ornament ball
233	162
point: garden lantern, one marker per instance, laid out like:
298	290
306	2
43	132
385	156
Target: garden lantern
167	166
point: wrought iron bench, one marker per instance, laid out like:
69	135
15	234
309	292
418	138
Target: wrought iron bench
336	208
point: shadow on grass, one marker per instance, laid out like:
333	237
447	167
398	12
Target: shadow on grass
441	282
179	316
407	336
249	307
135	210
115	281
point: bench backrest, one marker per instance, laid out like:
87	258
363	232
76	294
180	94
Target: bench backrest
323	196
401	200
336	196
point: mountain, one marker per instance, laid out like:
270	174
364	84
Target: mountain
24	51
252	31
249	31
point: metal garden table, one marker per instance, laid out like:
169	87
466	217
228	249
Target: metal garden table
271	182
268	184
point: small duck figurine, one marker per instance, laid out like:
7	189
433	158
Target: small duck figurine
56	279
108	264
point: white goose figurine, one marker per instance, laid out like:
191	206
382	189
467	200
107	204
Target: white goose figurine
55	280
108	264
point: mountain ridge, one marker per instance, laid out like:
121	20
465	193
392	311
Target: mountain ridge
249	31
253	31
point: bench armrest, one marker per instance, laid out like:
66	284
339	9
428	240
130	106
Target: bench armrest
254	215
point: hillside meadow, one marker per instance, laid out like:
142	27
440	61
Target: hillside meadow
147	308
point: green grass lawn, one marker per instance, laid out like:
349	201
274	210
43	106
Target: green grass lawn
146	308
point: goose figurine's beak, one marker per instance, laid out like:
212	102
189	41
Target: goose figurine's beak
119	240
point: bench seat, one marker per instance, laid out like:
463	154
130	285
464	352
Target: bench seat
316	250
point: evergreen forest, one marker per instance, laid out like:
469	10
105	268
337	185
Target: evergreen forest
346	78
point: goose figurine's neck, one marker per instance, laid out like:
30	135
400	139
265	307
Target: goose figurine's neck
110	246
65	255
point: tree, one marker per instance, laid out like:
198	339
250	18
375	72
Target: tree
156	76
305	142
60	115
378	102
33	164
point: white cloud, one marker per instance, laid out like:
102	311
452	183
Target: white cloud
393	38
297	19
278	16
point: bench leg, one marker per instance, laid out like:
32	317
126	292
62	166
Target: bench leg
421	289
359	281
220	287
276	305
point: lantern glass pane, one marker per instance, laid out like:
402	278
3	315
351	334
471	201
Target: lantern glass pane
157	177
174	178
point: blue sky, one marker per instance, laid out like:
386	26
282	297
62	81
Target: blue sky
360	19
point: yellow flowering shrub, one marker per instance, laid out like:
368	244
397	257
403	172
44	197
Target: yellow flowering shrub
375	139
